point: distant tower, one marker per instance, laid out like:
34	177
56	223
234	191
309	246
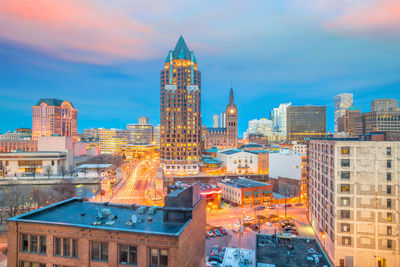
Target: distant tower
342	103
215	121
231	119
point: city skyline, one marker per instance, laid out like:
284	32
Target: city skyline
118	75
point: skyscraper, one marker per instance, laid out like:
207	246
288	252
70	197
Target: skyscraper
305	122
278	117
180	112
342	103
385	105
231	122
141	132
54	117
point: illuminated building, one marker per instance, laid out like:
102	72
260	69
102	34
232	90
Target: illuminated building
141	132
92	133
279	119
212	194
237	161
379	121
305	122
11	145
112	140
354	200
138	150
180	112
225	136
245	192
76	232
54	117
342	103
385	105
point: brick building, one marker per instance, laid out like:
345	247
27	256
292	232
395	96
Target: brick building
75	232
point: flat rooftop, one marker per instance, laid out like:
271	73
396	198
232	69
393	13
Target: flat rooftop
243	183
235	257
276	252
75	212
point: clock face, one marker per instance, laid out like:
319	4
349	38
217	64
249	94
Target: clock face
231	110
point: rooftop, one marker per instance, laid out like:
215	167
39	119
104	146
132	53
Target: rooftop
289	252
32	154
93	166
243	183
117	217
211	161
51	102
251	145
217	130
212	150
235	257
181	51
231	151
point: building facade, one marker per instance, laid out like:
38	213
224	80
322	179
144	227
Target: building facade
54	117
354	200
141	132
379	121
279	119
112	140
180	112
347	122
238	162
11	145
225	136
305	122
342	103
80	233
385	105
245	192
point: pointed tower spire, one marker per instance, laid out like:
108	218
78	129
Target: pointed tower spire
231	102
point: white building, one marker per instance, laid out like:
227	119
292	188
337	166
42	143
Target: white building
342	103
237	161
278	116
239	257
301	149
354	200
285	164
92	170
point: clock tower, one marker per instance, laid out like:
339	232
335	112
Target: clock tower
231	122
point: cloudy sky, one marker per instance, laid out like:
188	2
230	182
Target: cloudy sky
105	56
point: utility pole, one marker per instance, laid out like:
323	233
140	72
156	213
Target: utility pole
240	234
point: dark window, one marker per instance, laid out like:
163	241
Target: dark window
99	251
389	203
345	227
388	151
67	247
34	243
346	241
341	264
57	246
75	248
127	254
389	243
388	176
389	189
158	257
345	214
389	163
345	162
389	230
345	175
24	242
42	245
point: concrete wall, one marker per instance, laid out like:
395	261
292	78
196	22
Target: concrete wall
285	165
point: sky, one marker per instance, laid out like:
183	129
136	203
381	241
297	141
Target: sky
105	56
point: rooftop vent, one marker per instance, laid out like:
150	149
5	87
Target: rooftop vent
96	223
149	219
83	214
132	220
152	210
142	210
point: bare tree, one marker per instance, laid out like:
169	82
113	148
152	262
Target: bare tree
63	190
63	171
48	170
14	200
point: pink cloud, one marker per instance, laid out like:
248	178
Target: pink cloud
76	30
376	17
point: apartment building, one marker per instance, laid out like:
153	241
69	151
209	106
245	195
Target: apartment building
354	200
80	233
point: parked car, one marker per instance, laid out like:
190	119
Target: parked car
298	204
269	224
210	234
217	232
215	258
215	249
287	205
223	231
248	218
254	227
273	206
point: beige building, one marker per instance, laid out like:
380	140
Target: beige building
112	140
354	200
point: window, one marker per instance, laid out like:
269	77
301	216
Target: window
388	176
345	175
127	254
346	241
389	189
389	216
42	249
31	264
345	188
341	264
345	201
345	150
388	203
75	248
99	251
389	230
389	163
388	151
66	247
158	257
389	243
57	246
345	162
34	243
345	227
24	242
345	214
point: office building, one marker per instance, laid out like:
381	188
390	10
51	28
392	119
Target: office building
279	119
180	112
92	133
385	105
354	200
387	122
305	122
112	140
141	132
52	116
347	122
245	192
342	103
225	136
12	145
76	232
